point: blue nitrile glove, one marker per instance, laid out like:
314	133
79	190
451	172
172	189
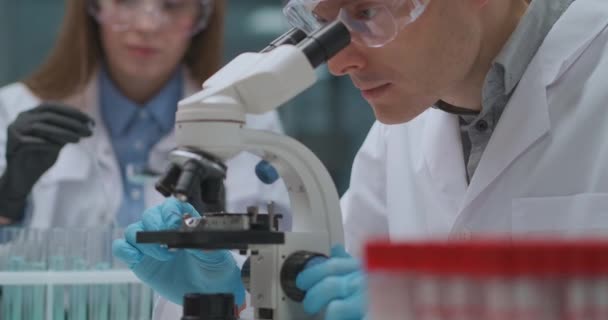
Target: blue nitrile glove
173	274
337	284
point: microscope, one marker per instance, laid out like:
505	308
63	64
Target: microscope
210	130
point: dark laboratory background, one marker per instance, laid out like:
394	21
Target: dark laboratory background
331	118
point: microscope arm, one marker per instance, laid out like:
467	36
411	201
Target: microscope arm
312	193
313	196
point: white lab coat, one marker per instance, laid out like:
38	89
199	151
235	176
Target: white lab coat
545	169
84	188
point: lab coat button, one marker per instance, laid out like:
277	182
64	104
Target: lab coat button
482	126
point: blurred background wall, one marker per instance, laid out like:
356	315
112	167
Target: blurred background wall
331	118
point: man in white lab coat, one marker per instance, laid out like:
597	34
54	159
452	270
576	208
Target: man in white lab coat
492	118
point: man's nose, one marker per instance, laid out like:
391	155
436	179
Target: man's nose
348	60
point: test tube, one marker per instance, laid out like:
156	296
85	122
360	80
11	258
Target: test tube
18	262
99	255
455	297
58	251
28	257
134	295
389	296
119	306
600	297
572	286
145	302
426	304
77	309
599	287
526	297
15	304
7	234
529	289
575	297
99	299
37	261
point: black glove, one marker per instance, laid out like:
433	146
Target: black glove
34	140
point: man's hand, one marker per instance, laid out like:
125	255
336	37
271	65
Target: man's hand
336	285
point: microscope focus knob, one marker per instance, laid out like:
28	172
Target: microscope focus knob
291	268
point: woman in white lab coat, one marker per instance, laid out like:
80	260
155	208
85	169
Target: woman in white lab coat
125	65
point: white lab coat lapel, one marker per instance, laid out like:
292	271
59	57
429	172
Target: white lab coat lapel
526	119
442	148
105	165
558	57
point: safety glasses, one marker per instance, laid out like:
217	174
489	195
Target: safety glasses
190	16
373	23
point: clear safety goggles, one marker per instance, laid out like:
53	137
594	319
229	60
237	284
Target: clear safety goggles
373	23
181	15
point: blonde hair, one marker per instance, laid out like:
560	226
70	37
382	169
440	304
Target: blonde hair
77	53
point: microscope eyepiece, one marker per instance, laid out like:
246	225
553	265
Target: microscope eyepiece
293	36
325	43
